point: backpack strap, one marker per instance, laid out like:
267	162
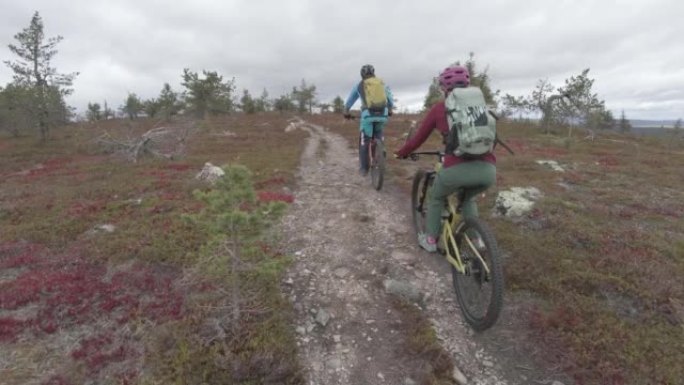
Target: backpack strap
362	95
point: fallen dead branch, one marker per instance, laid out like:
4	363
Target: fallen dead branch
159	142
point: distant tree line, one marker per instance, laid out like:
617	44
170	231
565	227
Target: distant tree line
35	99
208	94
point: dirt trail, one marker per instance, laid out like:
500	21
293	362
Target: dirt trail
350	243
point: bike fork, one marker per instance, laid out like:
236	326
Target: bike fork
371	153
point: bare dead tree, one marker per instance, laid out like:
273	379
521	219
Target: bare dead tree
166	142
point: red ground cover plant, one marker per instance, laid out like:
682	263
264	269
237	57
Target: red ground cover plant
179	167
608	161
19	254
162	178
269	196
57	380
171	196
46	168
574	177
83	209
274	181
519	146
96	351
59	166
548	152
550	326
9	328
65	291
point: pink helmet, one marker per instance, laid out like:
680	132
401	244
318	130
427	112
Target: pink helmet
452	77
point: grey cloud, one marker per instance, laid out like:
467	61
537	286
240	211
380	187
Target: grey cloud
135	46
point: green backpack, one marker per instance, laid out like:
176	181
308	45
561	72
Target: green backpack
373	95
472	129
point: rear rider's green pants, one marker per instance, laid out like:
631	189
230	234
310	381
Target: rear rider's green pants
475	176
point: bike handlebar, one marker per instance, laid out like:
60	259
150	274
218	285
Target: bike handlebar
440	153
415	155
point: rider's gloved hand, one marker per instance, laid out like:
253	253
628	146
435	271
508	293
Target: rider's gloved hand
347	115
389	112
397	156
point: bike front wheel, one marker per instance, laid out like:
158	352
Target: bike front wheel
377	170
422	182
480	289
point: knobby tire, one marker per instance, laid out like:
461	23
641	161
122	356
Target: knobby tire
476	276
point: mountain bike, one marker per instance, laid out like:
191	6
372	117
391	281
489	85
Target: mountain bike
376	159
469	246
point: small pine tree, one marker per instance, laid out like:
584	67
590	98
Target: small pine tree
209	95
477	79
151	107
624	124
325	107
168	102
94	112
481	79
305	96
433	96
678	127
247	102
262	104
338	105
132	106
107	112
234	219
17	109
284	104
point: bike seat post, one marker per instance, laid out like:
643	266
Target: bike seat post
460	200
445	214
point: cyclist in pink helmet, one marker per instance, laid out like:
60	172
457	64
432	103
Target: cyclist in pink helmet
477	173
453	77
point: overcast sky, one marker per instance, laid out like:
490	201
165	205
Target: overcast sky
634	48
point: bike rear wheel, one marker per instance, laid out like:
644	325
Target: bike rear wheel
479	293
377	170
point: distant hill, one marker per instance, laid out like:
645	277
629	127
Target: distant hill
651	127
651	131
652	123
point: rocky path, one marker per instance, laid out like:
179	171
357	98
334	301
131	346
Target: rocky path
354	254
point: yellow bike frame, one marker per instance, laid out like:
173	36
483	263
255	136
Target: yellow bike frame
448	238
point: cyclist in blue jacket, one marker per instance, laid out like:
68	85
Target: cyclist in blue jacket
376	107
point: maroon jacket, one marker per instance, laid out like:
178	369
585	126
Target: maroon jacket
436	119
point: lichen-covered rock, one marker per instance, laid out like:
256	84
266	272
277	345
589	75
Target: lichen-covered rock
210	173
551	163
516	202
